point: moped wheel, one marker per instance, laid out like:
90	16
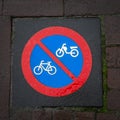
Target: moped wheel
59	52
52	70
37	70
74	53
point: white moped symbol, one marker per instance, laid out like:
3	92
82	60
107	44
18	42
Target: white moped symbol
61	51
46	67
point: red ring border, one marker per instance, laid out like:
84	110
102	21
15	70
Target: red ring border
77	83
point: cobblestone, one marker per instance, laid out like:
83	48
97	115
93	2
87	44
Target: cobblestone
42	115
113	78
85	116
113	100
91	7
4	67
113	57
106	116
0	7
62	115
33	7
22	115
112	30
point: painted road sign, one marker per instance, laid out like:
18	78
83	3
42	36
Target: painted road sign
50	65
56	61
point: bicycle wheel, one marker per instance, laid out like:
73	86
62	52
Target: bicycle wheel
52	70
74	53
37	70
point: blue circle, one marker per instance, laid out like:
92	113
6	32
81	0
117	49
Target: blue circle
60	78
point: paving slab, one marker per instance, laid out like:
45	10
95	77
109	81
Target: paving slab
33	7
112	30
22	93
113	100
91	7
5	66
113	79
113	57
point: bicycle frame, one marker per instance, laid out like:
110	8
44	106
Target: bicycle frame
42	65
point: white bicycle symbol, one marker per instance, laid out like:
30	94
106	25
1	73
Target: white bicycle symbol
61	51
46	67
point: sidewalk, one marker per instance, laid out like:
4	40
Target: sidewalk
109	13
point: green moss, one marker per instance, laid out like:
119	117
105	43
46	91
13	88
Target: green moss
104	67
81	109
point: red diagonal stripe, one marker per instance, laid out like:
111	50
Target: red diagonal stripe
55	59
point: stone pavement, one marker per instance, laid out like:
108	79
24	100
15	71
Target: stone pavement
109	13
